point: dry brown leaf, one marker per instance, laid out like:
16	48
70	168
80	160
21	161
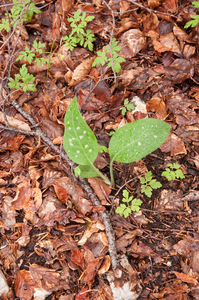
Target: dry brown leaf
171	42
174	145
132	42
157	105
15	122
67	5
81	71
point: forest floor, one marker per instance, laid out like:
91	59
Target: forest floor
53	241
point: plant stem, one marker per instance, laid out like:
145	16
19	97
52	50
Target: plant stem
111	174
106	180
50	58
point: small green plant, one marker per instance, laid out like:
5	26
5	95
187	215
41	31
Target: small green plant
24	79
30	55
22	11
173	171
130	143
127	106
126	209
114	61
78	34
194	22
148	184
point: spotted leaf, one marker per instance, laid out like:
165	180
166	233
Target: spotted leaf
137	139
79	141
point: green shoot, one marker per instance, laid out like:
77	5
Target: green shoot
22	12
30	55
126	209
127	106
148	184
78	34
173	172
130	143
194	22
114	61
24	79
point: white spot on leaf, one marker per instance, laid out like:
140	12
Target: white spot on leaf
90	150
86	146
69	128
71	144
84	132
155	136
81	137
139	144
78	151
78	128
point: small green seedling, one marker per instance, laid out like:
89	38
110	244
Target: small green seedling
130	143
194	22
22	12
148	184
127	106
114	61
126	209
112	132
78	34
173	171
24	79
30	55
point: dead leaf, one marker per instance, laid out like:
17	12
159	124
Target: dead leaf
174	145
81	71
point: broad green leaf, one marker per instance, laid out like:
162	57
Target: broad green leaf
87	171
137	139
79	141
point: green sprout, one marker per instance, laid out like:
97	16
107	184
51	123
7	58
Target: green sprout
78	34
24	79
22	12
30	55
114	61
173	171
129	143
148	184
194	22
126	209
127	106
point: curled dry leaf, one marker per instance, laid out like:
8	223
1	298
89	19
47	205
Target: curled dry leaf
157	105
81	71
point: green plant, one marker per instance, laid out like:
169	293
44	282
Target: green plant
114	61
194	22
24	79
127	106
30	55
78	34
148	184
126	209
22	11
173	171
130	143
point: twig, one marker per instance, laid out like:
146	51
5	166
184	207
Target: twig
150	10
13	129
